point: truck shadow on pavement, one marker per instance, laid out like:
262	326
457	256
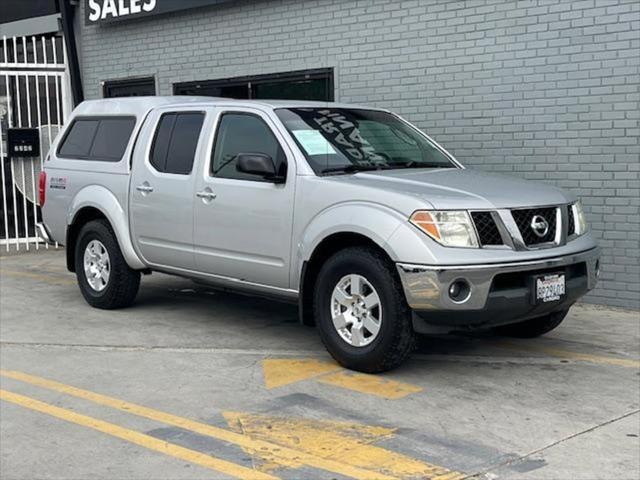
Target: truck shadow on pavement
217	308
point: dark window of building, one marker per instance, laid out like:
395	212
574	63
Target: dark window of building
299	85
175	142
135	87
13	10
237	91
244	133
97	138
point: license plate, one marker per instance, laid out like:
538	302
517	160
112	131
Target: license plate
549	288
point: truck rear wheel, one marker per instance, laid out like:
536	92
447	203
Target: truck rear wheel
361	312
105	279
534	327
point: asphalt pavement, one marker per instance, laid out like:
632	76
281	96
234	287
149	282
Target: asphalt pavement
194	383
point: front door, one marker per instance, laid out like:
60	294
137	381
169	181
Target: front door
162	183
243	222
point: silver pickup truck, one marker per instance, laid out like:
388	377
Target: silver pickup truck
372	227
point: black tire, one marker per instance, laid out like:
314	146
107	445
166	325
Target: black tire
534	327
396	338
122	286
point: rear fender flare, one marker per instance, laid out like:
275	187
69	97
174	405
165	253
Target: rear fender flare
102	199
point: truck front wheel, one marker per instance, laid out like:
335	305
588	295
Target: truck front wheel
105	279
361	312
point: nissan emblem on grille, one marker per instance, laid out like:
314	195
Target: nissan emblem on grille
539	225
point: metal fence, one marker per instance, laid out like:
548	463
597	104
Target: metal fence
34	93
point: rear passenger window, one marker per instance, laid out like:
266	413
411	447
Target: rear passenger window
161	141
97	138
175	142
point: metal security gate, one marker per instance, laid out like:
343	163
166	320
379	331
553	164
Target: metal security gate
34	93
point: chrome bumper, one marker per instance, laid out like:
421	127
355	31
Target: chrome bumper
426	287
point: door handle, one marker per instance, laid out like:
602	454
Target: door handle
145	188
206	194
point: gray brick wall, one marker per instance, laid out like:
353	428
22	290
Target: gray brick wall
547	90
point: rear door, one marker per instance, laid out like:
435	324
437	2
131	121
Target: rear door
162	186
243	222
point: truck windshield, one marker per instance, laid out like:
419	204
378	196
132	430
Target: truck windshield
339	140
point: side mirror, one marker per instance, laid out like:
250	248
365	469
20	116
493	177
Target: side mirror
258	164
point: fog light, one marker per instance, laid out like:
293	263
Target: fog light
597	268
459	291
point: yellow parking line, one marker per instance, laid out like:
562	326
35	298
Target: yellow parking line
283	371
350	443
370	384
38	276
286	456
146	441
569	355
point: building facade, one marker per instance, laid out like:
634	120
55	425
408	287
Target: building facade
543	89
34	103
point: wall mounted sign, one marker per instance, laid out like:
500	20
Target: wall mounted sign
23	142
109	11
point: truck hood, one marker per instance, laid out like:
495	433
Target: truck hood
454	188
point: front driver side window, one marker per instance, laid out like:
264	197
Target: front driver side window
244	133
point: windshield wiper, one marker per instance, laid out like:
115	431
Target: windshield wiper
403	163
415	164
353	168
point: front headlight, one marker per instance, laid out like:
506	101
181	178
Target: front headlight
449	228
579	219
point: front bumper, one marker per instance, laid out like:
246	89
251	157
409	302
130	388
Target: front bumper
498	293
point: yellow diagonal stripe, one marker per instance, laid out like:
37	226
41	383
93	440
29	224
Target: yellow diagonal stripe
283	371
350	443
285	456
370	384
146	441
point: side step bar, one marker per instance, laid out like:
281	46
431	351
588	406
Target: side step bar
44	233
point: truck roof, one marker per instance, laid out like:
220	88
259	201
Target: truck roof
141	105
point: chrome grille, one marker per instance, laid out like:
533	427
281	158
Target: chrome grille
488	233
524	219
